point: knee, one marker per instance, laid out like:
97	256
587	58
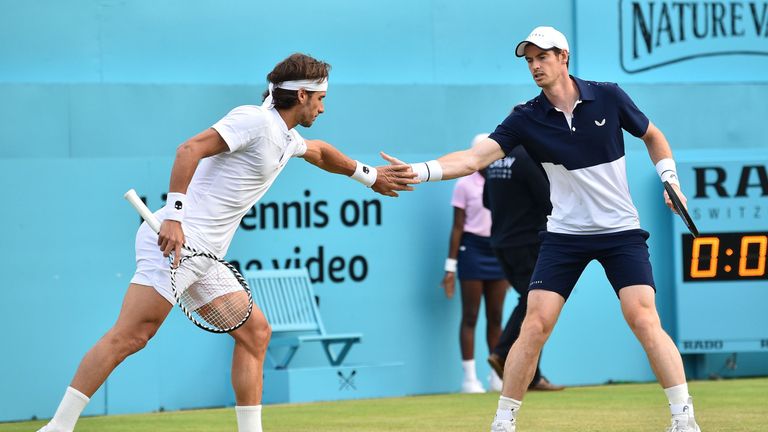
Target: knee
536	329
644	323
469	319
264	333
494	319
261	333
125	343
255	335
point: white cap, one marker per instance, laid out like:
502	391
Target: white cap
544	38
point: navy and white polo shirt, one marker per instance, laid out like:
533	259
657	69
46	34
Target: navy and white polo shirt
584	158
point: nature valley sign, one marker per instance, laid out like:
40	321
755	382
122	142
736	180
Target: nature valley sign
659	33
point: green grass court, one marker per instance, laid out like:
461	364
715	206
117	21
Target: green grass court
721	406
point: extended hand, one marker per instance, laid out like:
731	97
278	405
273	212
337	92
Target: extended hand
397	176
392	160
170	239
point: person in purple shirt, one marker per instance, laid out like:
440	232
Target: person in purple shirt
573	128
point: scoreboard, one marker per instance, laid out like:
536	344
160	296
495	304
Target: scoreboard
732	256
721	283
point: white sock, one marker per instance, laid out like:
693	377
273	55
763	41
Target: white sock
677	395
70	408
508	408
469	370
248	418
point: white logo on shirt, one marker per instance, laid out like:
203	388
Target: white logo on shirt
600	123
502	163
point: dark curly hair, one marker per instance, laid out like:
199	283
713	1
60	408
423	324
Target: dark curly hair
296	67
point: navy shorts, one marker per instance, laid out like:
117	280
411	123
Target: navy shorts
476	260
563	257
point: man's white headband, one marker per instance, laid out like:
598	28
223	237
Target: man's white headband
306	84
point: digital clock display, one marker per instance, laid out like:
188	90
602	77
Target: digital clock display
725	257
721	277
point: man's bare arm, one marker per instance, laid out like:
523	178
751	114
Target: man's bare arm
188	155
456	164
661	154
386	180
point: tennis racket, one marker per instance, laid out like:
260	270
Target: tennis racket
210	291
680	209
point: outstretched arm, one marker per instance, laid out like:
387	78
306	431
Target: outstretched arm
661	156
328	158
456	164
465	162
385	180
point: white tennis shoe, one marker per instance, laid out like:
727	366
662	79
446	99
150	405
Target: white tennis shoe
684	425
682	418
503	425
51	428
472	386
494	382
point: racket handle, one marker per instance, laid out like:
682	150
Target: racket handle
143	210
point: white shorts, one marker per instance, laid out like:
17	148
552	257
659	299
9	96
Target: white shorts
153	269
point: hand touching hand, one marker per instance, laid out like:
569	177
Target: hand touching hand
397	176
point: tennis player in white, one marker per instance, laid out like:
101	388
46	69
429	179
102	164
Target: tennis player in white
217	176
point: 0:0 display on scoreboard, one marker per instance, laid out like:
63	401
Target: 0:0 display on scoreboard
735	256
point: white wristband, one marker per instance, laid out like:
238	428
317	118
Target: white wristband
364	174
450	265
667	171
176	206
428	171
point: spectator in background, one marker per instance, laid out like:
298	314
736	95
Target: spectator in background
517	194
479	272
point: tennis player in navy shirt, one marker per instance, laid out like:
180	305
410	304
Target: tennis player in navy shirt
573	128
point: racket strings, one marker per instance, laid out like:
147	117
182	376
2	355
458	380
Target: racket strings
225	311
210	293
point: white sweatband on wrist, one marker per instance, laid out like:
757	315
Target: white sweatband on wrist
450	265
364	174
428	171
667	171
175	206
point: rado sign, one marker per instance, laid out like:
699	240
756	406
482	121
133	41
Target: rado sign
659	33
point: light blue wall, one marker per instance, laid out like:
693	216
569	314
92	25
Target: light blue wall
97	94
200	41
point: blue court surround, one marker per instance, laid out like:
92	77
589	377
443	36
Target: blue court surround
98	93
